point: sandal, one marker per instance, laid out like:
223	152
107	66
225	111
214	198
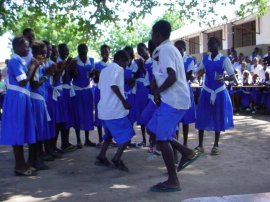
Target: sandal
90	144
199	149
26	173
104	162
162	187
120	165
215	151
185	162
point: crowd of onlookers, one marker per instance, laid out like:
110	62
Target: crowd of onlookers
252	93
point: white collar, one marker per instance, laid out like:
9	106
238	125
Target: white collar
217	58
156	51
80	62
104	63
59	59
22	60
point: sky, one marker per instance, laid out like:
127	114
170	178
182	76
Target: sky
157	11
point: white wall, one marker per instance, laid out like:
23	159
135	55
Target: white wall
264	29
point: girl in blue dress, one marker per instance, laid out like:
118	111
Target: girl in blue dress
214	102
18	124
67	118
39	105
130	81
141	97
105	53
190	115
83	100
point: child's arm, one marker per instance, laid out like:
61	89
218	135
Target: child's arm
116	90
171	79
48	72
31	71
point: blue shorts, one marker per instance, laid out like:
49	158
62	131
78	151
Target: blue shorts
120	130
164	122
148	112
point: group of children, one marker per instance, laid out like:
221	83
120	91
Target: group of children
253	73
50	92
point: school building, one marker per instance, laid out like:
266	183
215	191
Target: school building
244	34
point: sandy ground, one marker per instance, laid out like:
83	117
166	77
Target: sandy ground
242	168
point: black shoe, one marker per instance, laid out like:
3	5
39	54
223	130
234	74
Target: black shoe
120	165
90	144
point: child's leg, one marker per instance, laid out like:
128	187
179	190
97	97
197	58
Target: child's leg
78	136
185	133
182	149
106	144
143	134
32	158
168	157
99	128
217	135
201	134
87	140
19	158
119	152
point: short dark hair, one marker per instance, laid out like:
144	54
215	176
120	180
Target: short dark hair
141	45
121	55
180	43
27	30
61	46
105	46
163	27
37	45
214	40
17	41
46	42
81	46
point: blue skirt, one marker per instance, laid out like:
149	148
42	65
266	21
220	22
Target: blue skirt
83	109
69	104
214	117
58	109
164	122
190	116
120	129
96	93
49	107
132	111
148	112
141	100
18	125
41	122
246	99
256	96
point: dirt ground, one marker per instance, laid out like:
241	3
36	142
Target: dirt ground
242	168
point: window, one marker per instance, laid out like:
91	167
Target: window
218	35
244	34
194	45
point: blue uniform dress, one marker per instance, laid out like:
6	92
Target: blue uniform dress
141	96
246	97
48	97
99	66
214	114
190	115
40	110
130	91
150	108
83	100
58	105
18	124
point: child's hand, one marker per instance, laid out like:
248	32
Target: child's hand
157	99
131	82
50	70
126	105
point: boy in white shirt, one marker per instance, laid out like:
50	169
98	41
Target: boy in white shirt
113	110
171	93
